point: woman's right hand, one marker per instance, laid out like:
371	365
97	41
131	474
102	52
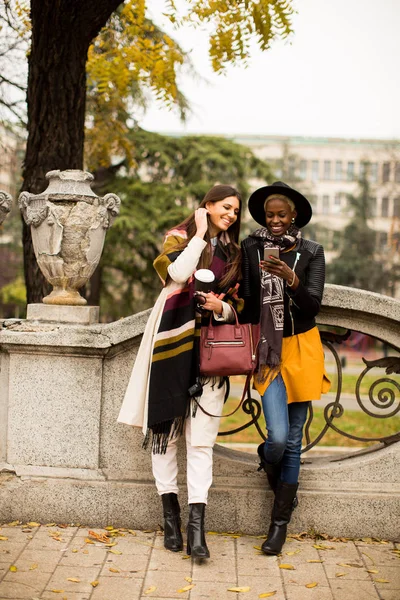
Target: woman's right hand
200	218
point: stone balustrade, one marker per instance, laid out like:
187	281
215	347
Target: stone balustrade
64	457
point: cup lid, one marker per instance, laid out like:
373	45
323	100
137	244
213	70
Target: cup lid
204	275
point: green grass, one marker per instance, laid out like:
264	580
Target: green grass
349	382
352	422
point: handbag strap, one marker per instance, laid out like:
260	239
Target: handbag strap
246	387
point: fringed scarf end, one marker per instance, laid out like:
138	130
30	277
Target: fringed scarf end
162	433
267	374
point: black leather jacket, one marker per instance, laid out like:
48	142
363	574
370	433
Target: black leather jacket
301	305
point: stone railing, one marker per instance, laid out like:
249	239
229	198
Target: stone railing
64	458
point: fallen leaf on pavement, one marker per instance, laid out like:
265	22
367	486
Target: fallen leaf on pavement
354	565
186	588
94	583
292	552
257	548
73	579
368	556
340	574
239	589
314	560
286	566
87	541
311	585
321	547
57	591
33	524
13	569
151	589
188	579
381	581
114	570
372	571
115	551
267	594
100	537
35	566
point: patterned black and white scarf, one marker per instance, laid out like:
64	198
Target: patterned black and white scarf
272	308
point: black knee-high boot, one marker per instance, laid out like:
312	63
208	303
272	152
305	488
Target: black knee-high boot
196	539
272	470
172	523
281	513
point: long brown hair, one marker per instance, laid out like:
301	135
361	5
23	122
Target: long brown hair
231	250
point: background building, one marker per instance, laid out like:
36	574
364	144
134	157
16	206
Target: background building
327	170
12	293
10	161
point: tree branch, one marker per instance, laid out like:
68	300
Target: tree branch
12	83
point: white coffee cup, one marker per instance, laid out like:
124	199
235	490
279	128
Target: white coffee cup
204	280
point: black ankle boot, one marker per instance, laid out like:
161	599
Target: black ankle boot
281	514
196	539
172	523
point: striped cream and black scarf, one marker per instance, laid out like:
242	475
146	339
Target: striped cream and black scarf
175	360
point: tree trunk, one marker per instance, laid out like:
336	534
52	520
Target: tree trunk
93	297
62	31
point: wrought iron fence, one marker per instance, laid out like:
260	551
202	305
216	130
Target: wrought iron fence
383	394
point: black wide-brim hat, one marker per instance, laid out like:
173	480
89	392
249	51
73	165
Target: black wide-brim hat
258	198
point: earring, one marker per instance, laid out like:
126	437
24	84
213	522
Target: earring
292	219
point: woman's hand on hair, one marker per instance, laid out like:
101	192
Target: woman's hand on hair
200	217
280	269
212	303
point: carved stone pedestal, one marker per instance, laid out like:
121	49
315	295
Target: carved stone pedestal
53	313
5	205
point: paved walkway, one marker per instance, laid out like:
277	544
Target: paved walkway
68	562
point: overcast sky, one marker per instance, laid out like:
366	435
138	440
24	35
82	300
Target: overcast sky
338	76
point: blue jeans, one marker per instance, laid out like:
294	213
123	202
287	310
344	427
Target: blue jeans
285	424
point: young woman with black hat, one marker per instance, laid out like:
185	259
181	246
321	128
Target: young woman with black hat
165	377
283	295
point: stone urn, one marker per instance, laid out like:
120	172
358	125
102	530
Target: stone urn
5	205
68	225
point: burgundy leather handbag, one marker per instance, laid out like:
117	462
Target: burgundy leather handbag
227	349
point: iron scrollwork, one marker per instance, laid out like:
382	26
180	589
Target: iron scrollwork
381	398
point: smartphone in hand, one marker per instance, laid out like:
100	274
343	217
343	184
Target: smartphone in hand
271	252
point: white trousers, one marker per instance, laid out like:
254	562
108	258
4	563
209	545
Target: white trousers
200	434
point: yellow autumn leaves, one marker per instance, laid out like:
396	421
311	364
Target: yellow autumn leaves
189	587
131	57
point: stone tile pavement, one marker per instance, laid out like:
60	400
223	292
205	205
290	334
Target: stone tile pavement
67	562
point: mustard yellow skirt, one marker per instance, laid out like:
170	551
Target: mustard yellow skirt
302	368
